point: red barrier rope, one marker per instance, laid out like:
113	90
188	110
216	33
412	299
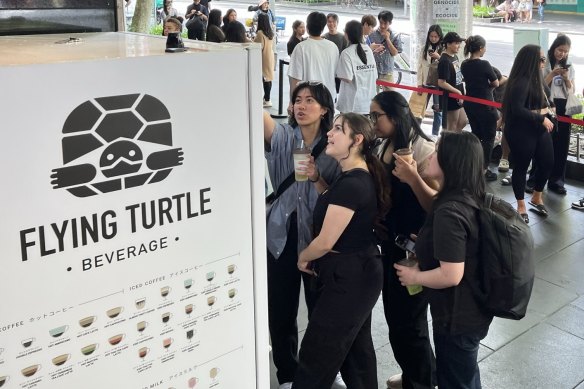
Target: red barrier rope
565	119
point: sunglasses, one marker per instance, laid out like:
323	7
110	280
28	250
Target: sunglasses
374	116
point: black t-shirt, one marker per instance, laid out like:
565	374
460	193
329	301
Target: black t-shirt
478	75
451	234
449	71
355	190
292	44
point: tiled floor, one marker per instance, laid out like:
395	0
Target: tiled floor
545	349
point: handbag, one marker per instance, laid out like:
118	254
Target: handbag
573	105
432	78
418	104
290	179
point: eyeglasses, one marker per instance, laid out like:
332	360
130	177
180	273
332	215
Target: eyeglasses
542	59
374	116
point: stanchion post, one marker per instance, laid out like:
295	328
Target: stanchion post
280	113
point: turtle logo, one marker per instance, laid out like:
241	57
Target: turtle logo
116	142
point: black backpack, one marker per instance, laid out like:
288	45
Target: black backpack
506	259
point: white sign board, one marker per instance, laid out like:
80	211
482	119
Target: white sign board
446	9
126	227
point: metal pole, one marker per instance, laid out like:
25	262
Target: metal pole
280	114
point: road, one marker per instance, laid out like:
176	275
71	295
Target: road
499	39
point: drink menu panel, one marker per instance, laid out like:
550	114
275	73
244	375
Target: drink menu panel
126	225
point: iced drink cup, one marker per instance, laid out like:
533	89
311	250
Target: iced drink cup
410	262
300	155
406	154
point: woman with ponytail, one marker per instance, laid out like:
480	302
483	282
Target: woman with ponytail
345	258
357	72
406	314
480	80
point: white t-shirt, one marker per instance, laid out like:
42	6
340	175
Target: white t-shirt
315	60
355	96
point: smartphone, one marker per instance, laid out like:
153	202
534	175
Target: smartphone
431	51
405	243
566	66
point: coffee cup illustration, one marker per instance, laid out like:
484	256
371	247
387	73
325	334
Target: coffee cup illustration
87	321
231	269
192	382
190	334
166	317
114	312
189	308
89	349
232	292
214	372
210	276
27	342
116	339
3	380
188	283
166	343
141	326
143	352
58	331
211	300
61	359
30	371
141	303
165	291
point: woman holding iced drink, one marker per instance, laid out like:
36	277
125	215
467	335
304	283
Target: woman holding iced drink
406	314
289	219
447	249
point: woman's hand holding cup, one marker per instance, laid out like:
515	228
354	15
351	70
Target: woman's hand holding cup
405	169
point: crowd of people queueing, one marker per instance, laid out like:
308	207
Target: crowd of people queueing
335	232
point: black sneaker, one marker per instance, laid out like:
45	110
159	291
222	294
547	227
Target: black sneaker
490	176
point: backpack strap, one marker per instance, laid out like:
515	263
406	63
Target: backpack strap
316	151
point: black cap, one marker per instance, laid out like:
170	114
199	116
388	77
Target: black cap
452	37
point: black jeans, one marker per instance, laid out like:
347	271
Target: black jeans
338	337
561	142
283	298
267	90
524	147
407	320
456	360
483	123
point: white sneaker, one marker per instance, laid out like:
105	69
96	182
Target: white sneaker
267	103
394	382
339	383
286	385
503	165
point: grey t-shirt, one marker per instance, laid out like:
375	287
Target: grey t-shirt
338	39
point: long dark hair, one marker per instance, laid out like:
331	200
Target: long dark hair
438	45
226	18
214	18
264	25
359	124
396	107
235	32
560	40
527	66
323	97
473	44
354	31
460	157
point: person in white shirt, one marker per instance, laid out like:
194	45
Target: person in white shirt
314	59
357	71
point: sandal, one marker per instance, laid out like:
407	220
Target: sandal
525	217
506	181
540	209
